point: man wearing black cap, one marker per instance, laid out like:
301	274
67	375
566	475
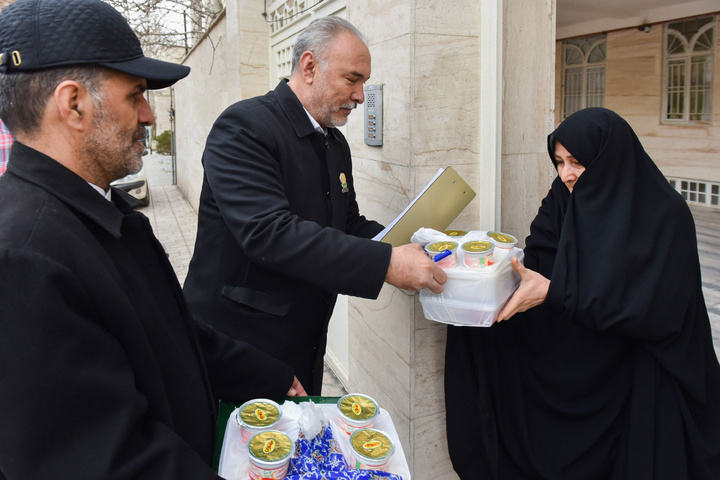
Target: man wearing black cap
103	373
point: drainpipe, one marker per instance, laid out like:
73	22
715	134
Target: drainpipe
491	41
172	136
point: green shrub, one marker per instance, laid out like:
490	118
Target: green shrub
163	143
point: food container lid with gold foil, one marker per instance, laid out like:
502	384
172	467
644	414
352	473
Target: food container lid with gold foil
260	412
478	247
357	406
270	446
438	247
455	233
502	239
372	444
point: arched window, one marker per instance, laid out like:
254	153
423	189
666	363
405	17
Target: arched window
688	70
583	73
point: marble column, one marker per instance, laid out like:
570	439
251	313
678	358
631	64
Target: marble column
427	56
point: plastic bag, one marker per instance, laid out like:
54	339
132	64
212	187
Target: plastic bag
320	458
471	297
311	420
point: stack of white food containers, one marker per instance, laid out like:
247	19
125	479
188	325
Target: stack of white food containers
477	288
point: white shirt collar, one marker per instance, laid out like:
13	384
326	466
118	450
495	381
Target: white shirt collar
315	124
107	195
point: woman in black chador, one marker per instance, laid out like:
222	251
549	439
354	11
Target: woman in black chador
609	372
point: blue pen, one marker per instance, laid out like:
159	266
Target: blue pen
441	255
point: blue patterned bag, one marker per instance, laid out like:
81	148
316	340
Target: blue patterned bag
321	459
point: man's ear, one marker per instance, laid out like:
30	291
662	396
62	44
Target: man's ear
74	105
308	66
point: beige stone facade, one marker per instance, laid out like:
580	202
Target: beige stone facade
228	64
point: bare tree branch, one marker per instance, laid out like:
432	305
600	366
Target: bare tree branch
168	28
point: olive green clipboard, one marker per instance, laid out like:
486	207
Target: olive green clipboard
436	207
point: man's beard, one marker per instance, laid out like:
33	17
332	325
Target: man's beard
342	119
322	105
112	151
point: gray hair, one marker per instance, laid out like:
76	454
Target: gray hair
317	37
24	96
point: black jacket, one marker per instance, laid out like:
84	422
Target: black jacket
279	232
103	372
614	376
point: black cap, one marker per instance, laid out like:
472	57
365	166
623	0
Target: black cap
41	34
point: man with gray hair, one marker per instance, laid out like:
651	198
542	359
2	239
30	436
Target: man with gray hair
103	372
279	229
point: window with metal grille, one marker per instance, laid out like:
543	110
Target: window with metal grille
583	73
688	70
697	191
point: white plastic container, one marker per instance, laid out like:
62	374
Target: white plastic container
455	233
474	297
258	415
502	240
356	411
478	254
269	453
371	449
438	248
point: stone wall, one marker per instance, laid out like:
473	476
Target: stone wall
229	64
528	111
426	55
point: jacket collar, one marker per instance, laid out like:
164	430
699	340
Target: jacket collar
294	110
70	188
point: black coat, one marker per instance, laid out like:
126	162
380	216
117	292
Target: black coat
615	375
103	372
279	232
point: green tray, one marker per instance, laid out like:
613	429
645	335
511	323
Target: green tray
226	408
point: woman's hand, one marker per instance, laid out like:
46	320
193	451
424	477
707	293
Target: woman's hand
532	292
